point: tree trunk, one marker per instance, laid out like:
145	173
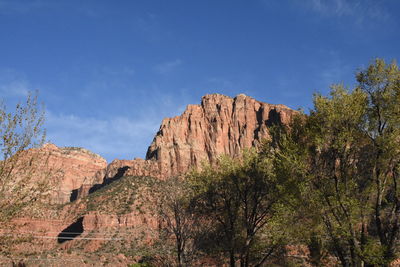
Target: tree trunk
232	258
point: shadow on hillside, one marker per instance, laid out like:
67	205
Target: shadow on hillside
71	231
74	195
120	173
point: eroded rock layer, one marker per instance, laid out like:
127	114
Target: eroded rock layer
69	168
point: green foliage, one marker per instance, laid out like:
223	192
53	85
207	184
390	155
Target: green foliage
141	265
178	221
345	157
241	196
20	129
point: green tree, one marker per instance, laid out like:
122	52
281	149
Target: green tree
20	129
241	197
345	157
178	218
381	84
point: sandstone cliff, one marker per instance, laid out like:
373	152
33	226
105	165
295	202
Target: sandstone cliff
219	125
69	168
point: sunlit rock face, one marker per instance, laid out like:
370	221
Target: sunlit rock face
219	125
68	168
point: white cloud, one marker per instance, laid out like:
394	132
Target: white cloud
167	67
333	7
111	138
17	6
107	70
221	83
15	88
13	84
334	70
359	10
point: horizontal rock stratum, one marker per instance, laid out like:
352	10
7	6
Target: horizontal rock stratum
68	168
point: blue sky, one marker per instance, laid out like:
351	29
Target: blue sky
108	71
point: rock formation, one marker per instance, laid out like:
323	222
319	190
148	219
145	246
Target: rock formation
219	125
69	168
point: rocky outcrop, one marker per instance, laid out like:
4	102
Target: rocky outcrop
136	167
68	168
219	125
94	221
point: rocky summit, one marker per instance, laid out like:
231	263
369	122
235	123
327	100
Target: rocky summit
219	125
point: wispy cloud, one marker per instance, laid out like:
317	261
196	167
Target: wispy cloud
17	6
361	11
221	83
13	84
333	7
15	88
150	26
126	70
335	70
110	137
168	67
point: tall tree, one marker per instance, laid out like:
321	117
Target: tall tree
240	196
381	84
20	129
345	155
177	218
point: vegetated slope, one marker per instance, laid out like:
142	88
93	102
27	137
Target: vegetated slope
117	220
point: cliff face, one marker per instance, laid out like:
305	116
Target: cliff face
69	168
219	125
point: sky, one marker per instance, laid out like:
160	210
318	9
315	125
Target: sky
108	72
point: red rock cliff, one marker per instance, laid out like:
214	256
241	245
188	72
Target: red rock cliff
71	167
219	125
